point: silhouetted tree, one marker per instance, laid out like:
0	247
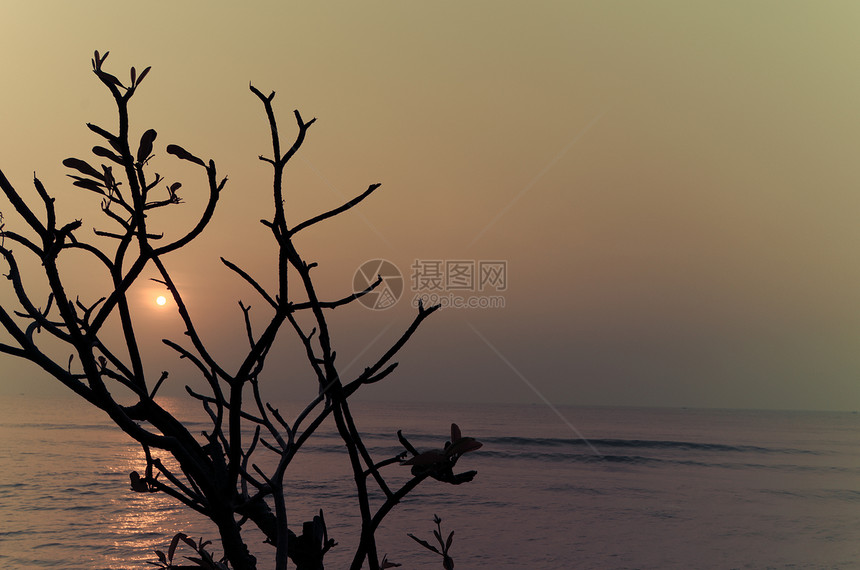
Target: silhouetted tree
217	474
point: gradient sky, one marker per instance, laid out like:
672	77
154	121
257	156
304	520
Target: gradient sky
674	185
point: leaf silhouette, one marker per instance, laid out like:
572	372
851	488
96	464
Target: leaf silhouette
143	74
145	148
424	543
455	433
183	154
83	167
463	445
115	144
100	131
103	152
89	185
174	543
105	76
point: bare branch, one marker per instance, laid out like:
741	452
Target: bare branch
21	206
369	372
253	282
340	302
336	211
245	315
158	385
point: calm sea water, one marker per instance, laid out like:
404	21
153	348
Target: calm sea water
653	488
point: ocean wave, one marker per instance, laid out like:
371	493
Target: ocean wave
63	426
512	441
588	456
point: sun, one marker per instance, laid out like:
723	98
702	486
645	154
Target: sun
160	300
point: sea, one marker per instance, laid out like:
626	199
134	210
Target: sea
556	488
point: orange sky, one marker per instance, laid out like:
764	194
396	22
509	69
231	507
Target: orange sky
673	185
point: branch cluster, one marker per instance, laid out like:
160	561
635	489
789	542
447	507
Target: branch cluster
219	475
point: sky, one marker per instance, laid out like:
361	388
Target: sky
672	187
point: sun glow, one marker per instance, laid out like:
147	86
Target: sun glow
161	300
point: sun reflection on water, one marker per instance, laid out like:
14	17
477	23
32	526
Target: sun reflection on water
140	523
